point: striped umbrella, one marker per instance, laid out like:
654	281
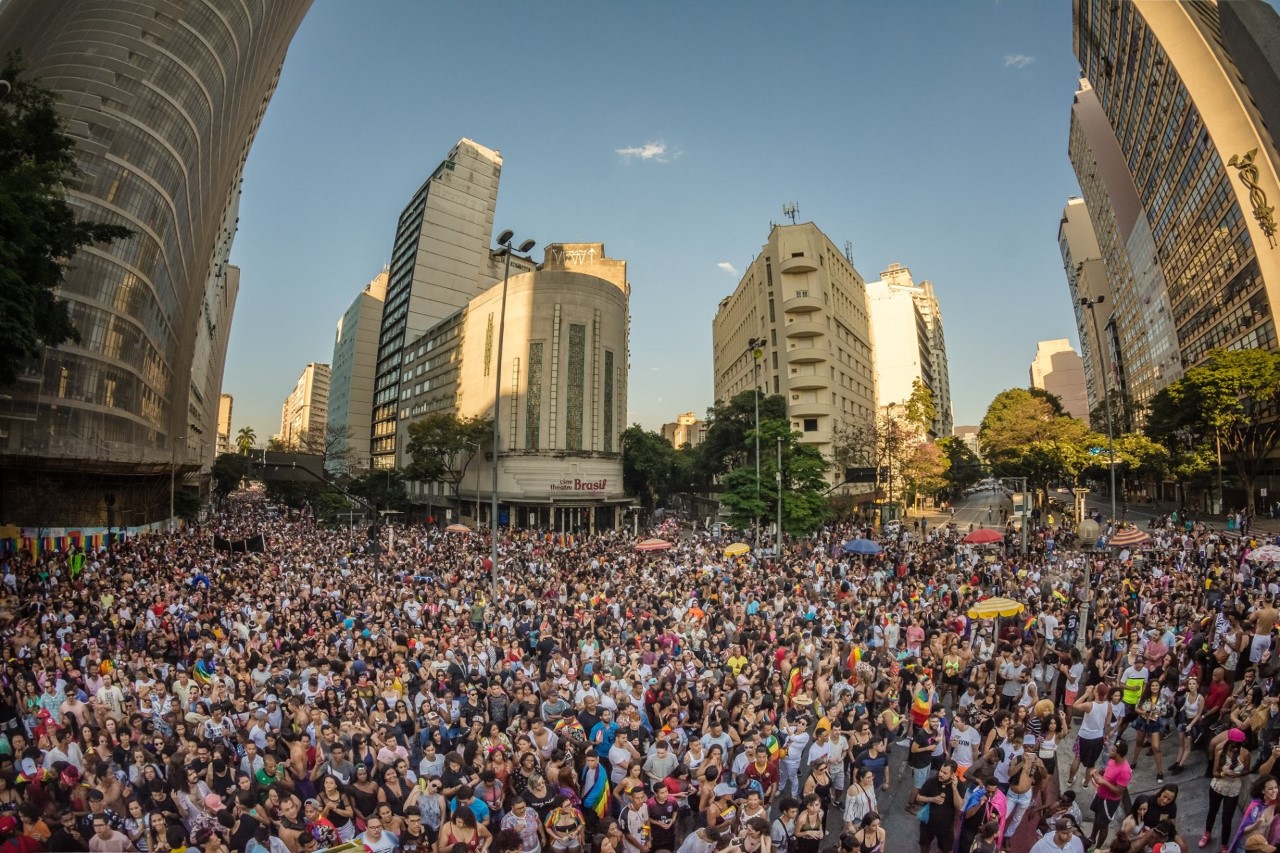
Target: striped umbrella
1128	537
653	545
737	549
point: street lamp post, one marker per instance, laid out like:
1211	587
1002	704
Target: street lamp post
504	240
778	533
756	347
1089	303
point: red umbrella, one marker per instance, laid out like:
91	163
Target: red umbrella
983	537
653	545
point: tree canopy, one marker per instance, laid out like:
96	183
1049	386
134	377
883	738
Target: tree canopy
39	232
442	445
804	504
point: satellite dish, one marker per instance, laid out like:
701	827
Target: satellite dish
504	239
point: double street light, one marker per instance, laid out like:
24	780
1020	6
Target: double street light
504	240
1089	303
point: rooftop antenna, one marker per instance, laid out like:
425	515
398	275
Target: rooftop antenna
848	251
791	210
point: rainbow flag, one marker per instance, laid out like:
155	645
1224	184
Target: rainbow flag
595	790
203	672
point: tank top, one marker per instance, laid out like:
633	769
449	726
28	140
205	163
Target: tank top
1092	725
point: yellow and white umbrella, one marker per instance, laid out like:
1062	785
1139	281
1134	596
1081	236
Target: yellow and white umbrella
993	608
737	549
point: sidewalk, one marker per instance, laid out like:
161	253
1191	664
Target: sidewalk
1141	513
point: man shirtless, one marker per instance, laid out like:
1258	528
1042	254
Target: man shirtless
1263	619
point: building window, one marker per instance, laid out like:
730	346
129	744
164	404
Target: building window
533	398
810	424
608	401
577	375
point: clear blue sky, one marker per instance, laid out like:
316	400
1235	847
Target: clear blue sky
933	134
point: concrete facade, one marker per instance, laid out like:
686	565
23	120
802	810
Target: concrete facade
225	442
302	417
804	297
1086	273
687	429
564	391
906	325
1172	104
969	436
163	100
354	364
439	261
1058	369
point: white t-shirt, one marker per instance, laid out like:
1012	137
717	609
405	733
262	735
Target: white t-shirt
1074	674
962	745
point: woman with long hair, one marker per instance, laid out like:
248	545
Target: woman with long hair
1230	766
1257	817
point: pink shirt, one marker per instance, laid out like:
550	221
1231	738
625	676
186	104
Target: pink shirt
915	636
1118	773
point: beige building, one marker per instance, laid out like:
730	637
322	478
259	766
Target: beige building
302	418
225	442
564	391
809	304
1198	177
1087	278
687	430
1058	369
354	364
906	325
968	435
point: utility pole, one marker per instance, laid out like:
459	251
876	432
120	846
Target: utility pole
778	534
756	347
1106	396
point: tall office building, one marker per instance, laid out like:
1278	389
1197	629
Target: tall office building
438	264
1166	125
163	100
355	360
225	443
304	413
1058	369
1087	278
809	304
906	325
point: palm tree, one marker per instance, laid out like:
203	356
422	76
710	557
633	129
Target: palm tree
246	439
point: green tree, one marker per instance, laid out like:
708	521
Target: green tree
442	445
925	469
804	503
920	411
227	472
380	489
650	465
1025	434
246	438
1228	402
964	468
724	444
39	233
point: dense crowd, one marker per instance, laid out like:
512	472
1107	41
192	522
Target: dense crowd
161	695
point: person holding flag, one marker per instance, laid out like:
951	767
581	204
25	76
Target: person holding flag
595	791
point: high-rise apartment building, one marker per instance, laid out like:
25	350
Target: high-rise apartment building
809	304
968	436
163	100
303	415
439	261
1166	106
687	429
906	325
355	361
1087	278
1058	369
225	444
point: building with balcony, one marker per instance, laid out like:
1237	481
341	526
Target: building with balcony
563	404
686	430
163	100
1179	174
440	261
1058	369
906	325
804	298
354	364
303	415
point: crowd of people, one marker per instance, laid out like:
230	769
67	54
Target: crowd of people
161	695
